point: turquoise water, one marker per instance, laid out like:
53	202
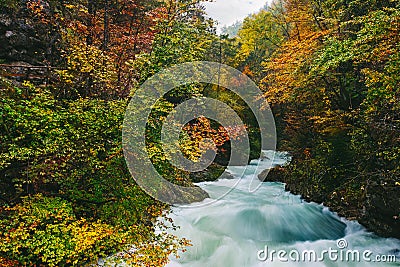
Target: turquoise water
235	231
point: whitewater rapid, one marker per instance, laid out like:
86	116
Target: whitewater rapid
243	227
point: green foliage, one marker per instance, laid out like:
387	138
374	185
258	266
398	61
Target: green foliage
45	231
67	197
183	35
11	4
44	141
259	36
71	150
89	73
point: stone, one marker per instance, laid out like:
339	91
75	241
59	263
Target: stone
276	174
9	34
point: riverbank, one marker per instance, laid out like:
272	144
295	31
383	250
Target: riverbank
378	209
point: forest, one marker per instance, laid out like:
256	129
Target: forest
329	69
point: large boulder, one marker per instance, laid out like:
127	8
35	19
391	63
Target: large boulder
212	173
276	174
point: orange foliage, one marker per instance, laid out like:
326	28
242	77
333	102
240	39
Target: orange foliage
201	131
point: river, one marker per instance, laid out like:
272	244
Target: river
243	229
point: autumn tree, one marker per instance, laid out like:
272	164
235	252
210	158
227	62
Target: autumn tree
332	87
258	38
62	169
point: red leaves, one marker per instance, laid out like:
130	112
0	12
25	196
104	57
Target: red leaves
201	130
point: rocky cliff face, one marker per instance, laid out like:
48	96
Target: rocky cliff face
24	38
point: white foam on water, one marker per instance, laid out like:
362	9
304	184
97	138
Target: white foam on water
231	231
